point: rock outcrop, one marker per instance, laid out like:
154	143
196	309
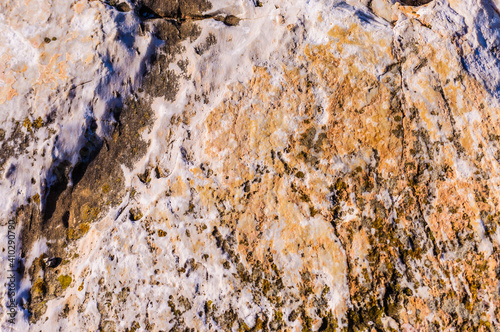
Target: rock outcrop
260	166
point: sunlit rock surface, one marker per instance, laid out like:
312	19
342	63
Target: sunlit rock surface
251	165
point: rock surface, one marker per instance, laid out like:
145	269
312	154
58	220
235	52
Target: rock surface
252	166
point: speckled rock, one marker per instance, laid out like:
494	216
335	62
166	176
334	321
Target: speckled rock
260	166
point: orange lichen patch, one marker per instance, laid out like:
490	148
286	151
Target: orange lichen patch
89	59
7	79
4	59
79	6
429	104
178	187
7	92
457	206
291	167
355	35
53	72
271	210
323	62
196	171
207	196
360	245
446	96
161	215
11	93
247	123
349	131
478	129
360	107
444	65
415	305
253	128
410	12
34	12
317	242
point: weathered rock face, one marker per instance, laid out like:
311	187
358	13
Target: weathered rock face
315	166
177	9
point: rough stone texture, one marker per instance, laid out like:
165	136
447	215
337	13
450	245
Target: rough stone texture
175	8
276	166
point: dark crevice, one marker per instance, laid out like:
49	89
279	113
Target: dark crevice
87	153
65	219
145	13
415	3
58	186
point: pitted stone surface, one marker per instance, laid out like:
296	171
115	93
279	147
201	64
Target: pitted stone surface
253	166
